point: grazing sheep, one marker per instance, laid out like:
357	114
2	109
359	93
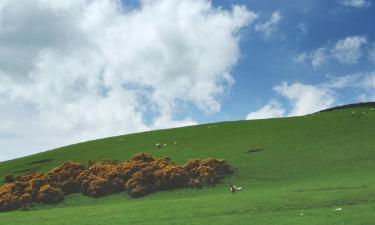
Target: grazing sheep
158	146
235	189
122	139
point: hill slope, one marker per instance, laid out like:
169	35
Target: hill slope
293	171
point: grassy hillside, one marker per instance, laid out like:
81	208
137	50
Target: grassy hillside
293	171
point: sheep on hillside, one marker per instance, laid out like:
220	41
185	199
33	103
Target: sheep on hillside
234	189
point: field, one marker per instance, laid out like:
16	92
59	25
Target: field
299	170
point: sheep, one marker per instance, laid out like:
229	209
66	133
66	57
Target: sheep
234	189
158	146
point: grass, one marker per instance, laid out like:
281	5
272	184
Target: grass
293	171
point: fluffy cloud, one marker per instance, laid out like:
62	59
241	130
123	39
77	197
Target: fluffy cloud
77	70
303	98
364	80
269	26
271	110
356	3
347	51
364	83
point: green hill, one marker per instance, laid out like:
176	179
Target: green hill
299	170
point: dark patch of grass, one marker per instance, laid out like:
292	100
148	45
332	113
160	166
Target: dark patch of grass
41	161
254	150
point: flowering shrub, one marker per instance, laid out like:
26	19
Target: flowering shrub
139	176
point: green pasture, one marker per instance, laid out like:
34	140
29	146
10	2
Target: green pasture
293	171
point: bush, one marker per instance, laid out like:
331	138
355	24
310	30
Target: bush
139	176
100	180
65	177
48	194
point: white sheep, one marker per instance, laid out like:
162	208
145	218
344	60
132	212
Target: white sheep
234	189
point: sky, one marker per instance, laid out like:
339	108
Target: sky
77	70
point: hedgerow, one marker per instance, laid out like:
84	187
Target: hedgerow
139	176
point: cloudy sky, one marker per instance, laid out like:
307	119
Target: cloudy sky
75	70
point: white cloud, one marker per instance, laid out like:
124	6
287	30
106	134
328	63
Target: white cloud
273	109
348	50
369	81
319	57
77	70
343	81
356	3
269	26
305	98
355	80
362	82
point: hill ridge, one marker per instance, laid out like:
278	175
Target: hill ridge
347	106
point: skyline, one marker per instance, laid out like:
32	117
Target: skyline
72	71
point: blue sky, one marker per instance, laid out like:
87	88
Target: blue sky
77	70
305	26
